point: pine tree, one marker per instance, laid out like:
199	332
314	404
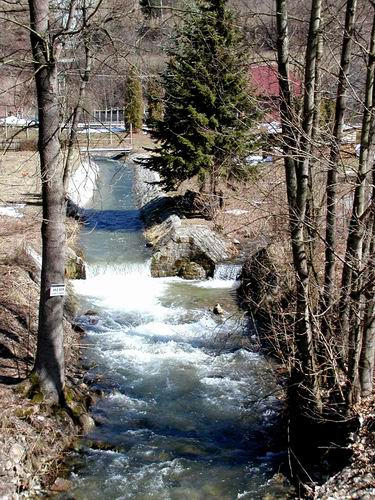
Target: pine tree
133	109
154	94
208	110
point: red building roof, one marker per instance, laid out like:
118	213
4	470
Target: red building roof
266	84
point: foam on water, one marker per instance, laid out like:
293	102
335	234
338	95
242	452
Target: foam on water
124	288
216	283
133	270
178	411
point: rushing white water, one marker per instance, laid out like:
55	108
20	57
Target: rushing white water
227	271
188	404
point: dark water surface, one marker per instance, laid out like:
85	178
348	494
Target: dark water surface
189	407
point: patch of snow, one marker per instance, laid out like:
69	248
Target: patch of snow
90	131
102	130
83	182
357	150
347	127
17	122
34	255
278	151
256	159
237	211
12	211
272	127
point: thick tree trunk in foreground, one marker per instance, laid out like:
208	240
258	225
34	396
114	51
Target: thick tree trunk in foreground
366	368
367	360
49	363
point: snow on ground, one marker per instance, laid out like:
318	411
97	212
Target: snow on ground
83	182
237	211
15	121
12	211
103	130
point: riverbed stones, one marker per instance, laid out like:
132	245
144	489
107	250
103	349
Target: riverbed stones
60	485
192	271
218	309
16	453
87	423
260	284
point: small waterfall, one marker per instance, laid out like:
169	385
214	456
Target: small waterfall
227	271
125	270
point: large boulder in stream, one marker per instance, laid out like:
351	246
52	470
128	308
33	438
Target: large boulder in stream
261	281
188	250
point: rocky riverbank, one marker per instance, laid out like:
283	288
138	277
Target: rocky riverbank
265	291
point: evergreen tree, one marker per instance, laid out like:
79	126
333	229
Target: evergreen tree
208	111
133	109
154	94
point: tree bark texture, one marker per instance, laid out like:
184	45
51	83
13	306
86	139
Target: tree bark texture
49	362
367	359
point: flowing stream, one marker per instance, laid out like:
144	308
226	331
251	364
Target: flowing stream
188	406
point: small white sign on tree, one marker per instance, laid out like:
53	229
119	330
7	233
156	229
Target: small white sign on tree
57	290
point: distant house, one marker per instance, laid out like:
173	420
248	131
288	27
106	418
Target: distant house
265	84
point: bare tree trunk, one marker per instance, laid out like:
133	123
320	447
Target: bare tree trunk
297	178
367	360
368	351
352	300
329	272
75	115
312	210
49	362
286	106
